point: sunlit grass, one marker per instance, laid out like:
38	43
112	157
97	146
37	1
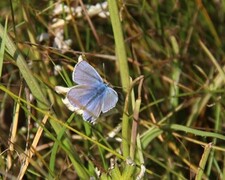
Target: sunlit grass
165	59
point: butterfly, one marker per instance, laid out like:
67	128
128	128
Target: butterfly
91	96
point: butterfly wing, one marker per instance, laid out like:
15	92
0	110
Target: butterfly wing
79	96
91	95
88	99
85	74
109	100
93	109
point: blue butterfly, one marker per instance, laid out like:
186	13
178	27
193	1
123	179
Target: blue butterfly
91	95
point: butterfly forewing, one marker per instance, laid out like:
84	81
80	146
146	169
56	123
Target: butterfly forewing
85	74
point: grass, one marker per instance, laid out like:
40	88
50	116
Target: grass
164	58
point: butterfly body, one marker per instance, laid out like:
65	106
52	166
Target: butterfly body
91	94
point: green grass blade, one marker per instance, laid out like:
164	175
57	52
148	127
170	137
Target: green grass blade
36	91
123	65
2	50
196	132
24	69
119	43
203	161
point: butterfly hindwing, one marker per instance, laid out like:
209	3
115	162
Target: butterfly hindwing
93	109
110	99
88	99
79	96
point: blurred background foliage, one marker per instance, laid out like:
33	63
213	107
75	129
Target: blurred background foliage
178	46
